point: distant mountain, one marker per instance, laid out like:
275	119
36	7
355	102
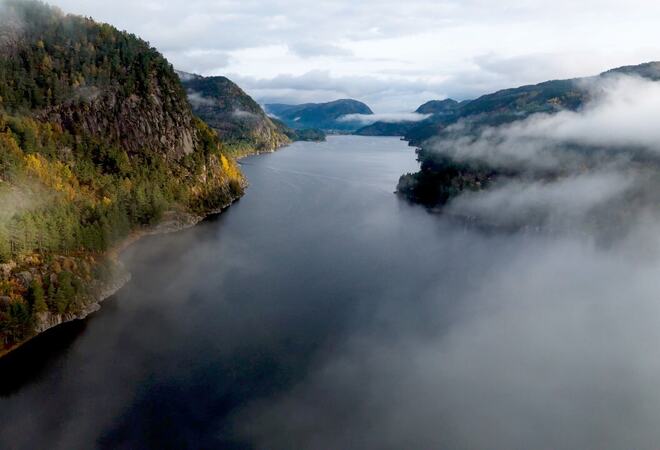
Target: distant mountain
239	121
500	107
324	116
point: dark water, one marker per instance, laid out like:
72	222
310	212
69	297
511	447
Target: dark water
234	310
322	312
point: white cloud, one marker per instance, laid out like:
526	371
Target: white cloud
563	204
197	99
368	119
462	48
547	345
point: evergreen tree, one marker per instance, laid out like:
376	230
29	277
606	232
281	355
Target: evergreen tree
65	292
36	297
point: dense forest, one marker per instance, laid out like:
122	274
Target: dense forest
97	141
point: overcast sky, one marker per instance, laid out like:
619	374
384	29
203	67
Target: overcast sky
392	54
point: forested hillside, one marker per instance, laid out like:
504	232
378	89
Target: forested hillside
97	141
239	121
463	150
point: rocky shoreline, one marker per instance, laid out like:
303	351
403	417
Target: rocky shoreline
172	222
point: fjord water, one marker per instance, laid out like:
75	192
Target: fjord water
323	312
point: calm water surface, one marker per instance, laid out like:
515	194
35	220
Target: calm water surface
235	310
322	312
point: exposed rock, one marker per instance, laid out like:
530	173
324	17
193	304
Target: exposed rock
25	278
5	270
134	123
47	320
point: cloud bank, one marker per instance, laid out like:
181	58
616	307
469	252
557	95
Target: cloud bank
368	119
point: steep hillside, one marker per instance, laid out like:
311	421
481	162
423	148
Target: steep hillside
239	121
442	107
446	173
324	116
504	106
97	143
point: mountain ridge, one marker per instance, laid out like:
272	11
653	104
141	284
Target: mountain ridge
442	178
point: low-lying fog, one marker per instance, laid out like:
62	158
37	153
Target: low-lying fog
321	312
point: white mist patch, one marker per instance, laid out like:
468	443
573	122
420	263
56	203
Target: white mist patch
196	99
545	351
244	115
368	119
15	201
11	27
566	201
624	113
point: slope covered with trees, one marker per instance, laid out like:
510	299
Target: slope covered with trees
97	141
442	177
240	122
235	116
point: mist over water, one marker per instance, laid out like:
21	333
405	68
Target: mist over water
322	312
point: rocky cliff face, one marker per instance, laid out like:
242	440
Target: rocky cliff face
92	81
132	123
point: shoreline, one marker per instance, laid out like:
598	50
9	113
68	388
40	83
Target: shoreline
177	221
